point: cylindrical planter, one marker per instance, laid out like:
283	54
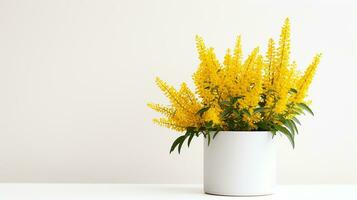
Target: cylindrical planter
240	163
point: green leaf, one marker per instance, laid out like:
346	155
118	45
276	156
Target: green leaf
288	124
295	127
287	133
299	109
202	111
180	145
209	124
245	111
191	129
298	112
177	142
296	120
188	132
190	139
215	134
262	126
235	99
226	112
305	107
260	109
282	129
208	138
225	103
293	90
236	112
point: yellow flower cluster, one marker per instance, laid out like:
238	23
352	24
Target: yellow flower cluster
304	82
270	83
281	75
182	111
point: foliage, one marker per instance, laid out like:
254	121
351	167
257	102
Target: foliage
261	93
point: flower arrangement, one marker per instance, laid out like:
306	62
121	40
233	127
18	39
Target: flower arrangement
260	93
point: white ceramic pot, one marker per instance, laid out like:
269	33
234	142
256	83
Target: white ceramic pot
240	163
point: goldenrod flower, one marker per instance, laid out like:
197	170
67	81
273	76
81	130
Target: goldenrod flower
212	114
305	81
206	76
277	72
245	91
183	109
238	53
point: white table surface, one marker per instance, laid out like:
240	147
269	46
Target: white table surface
15	191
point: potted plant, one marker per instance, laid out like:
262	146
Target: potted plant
240	107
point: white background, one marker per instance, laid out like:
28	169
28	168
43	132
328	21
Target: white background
75	77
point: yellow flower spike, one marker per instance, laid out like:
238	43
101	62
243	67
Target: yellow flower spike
213	61
169	124
238	53
269	64
279	86
189	99
167	111
184	106
170	93
243	80
250	60
201	48
227	59
206	77
253	84
305	81
283	53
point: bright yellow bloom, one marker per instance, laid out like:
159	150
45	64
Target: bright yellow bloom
228	59
212	114
269	88
238	53
169	124
278	74
233	65
249	80
305	81
283	53
182	112
206	76
269	64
